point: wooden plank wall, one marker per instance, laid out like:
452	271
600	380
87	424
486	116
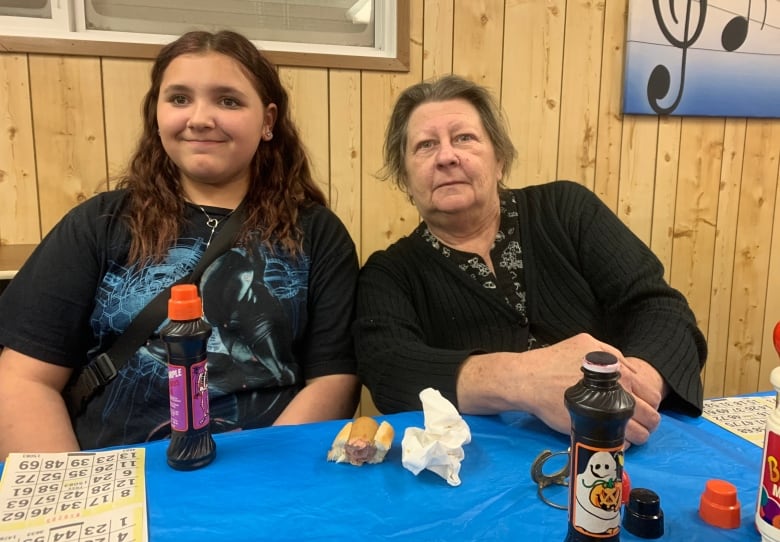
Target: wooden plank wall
702	192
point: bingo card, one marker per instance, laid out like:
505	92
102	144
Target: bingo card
74	497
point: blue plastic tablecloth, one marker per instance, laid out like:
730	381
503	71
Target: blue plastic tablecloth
275	484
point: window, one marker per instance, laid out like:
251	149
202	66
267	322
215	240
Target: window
26	8
364	34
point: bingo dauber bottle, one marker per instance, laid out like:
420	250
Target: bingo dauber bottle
768	505
600	409
185	336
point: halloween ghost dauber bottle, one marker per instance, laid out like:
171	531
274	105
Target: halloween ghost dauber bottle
600	409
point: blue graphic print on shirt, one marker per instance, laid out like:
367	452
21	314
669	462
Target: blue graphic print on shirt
255	300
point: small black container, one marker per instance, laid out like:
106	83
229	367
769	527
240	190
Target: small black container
643	516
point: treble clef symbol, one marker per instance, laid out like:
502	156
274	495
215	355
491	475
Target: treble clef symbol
659	83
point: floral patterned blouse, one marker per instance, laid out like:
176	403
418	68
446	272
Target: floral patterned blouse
507	256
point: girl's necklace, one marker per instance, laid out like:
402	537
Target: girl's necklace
213	223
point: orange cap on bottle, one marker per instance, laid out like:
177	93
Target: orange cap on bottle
185	303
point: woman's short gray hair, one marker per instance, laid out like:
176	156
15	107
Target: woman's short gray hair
448	87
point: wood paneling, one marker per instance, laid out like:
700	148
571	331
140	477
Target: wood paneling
639	141
531	94
346	156
667	163
698	183
715	325
751	259
477	41
308	93
70	146
126	82
701	192
437	46
20	219
584	30
609	135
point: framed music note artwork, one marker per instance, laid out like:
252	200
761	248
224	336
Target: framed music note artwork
703	58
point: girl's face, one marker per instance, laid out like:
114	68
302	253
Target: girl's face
211	120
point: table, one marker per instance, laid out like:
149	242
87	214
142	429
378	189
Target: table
275	484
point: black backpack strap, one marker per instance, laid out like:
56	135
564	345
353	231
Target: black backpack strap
103	369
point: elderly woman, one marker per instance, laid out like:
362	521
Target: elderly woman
498	294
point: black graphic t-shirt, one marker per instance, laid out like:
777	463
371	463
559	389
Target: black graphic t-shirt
277	318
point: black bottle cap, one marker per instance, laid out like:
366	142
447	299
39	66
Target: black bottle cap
643	516
600	362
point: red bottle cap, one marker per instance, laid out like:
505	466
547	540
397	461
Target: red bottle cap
719	505
185	303
776	337
625	488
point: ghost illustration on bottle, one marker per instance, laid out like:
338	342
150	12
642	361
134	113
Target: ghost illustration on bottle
598	494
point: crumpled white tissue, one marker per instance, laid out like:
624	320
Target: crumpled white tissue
439	447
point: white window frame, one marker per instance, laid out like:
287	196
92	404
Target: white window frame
66	33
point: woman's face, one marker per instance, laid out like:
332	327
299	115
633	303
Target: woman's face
211	120
450	162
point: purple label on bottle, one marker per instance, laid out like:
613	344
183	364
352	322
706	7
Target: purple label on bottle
597	493
199	396
177	392
199	384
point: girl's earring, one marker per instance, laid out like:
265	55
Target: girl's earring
269	135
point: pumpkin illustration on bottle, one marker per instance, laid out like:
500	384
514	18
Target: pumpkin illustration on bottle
606	494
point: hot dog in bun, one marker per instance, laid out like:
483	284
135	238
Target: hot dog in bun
362	440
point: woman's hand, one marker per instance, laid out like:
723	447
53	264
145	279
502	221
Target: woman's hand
636	376
535	382
648	388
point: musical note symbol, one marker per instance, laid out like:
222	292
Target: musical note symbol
736	30
659	83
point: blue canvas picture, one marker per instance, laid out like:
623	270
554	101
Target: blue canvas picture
703	58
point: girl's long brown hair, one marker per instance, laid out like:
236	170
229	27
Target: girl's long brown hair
280	176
